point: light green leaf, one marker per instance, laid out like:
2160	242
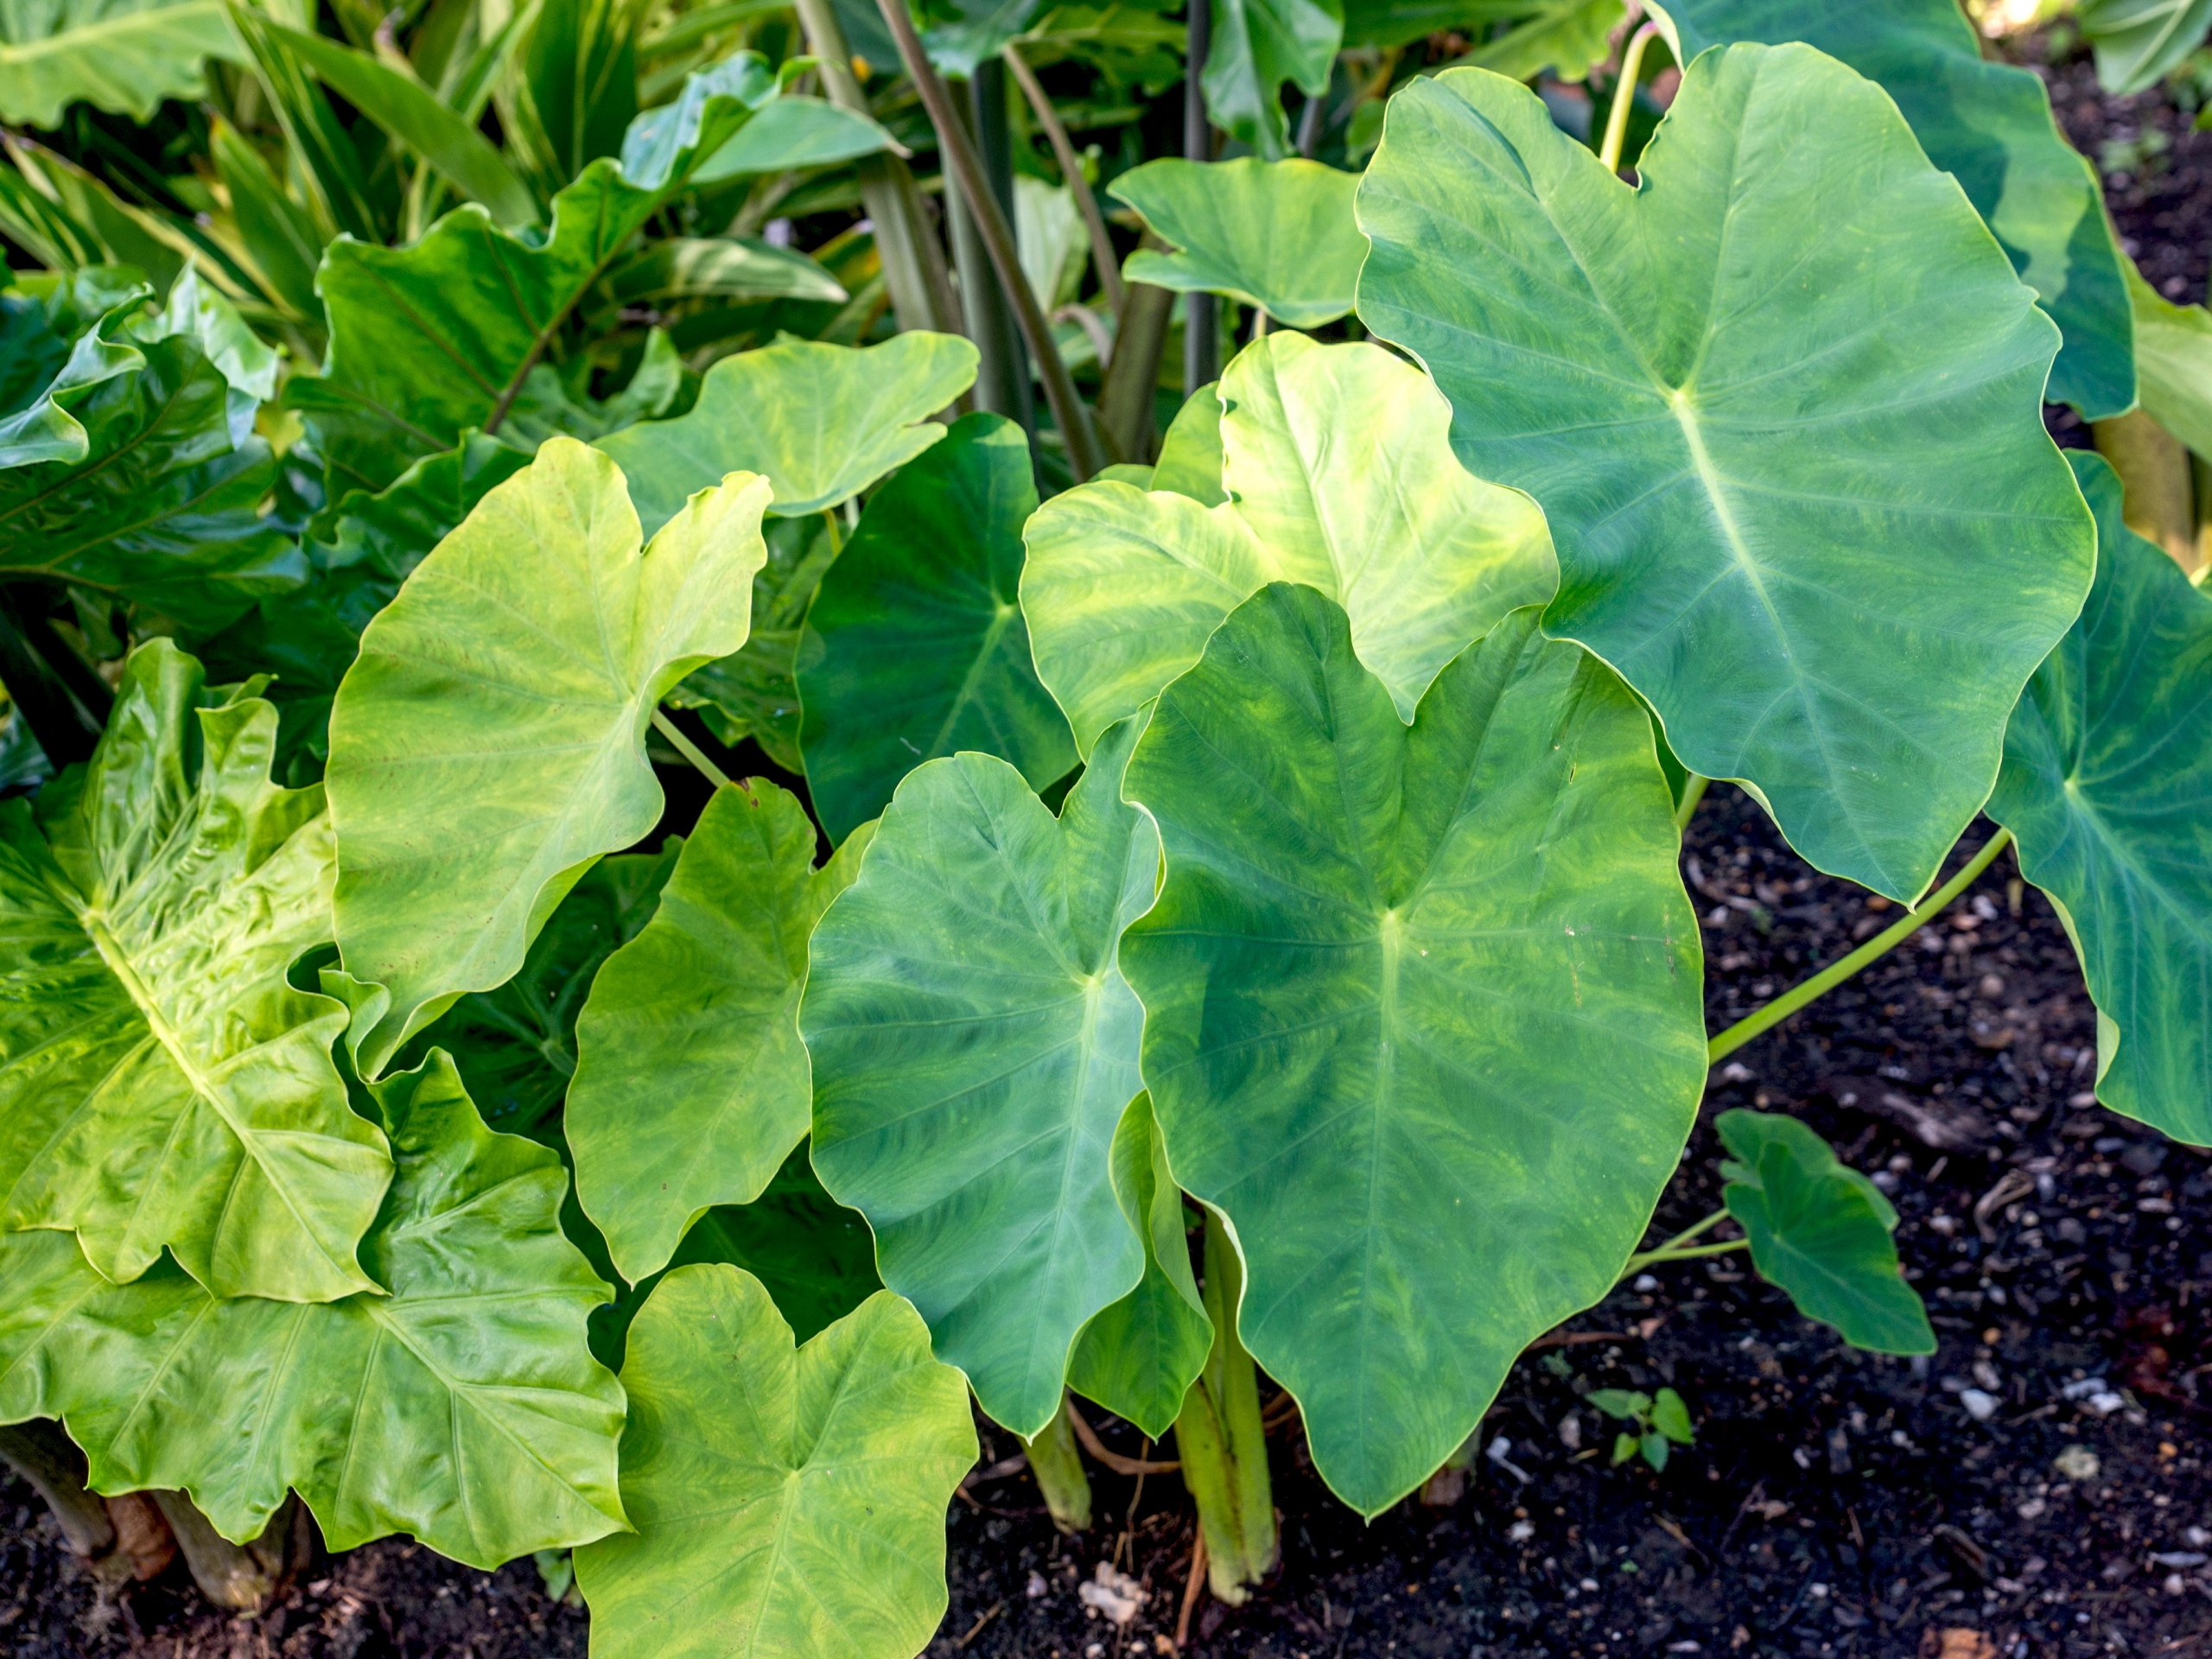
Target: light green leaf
684	267
2107	783
1989	125
53	342
1278	235
161	1085
963	34
1568	37
755	693
515	1047
2140	42
1421	1009
1138	1357
820	422
457	1402
212	323
1781	404
915	646
1821	1232
413	115
1671	1418
691	1083
1190	451
974	1047
1257	44
1340	476
794	134
2173	363
123	56
655	145
488	744
787	1502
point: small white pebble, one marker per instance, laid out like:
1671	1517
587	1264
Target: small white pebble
1820	1590
1035	1590
1644	1285
1587	1586
1980	1406
2033	1509
1521	1531
2078	1463
2194	1537
2176	1584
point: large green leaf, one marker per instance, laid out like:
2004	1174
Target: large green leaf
124	56
2107	785
1340	475
1255	47
2173	362
1138	1357
1421	1009
2140	42
691	1084
457	1401
755	693
820	422
795	134
787	1501
1990	126
428	340
488	744
161	1085
974	1046
1781	404
515	1047
160	505
915	646
1278	235
1821	1231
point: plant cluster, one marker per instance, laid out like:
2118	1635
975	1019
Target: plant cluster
1209	902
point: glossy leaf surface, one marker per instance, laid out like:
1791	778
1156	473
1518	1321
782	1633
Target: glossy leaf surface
1278	235
1340	476
456	1402
489	742
1780	407
1989	125
974	1046
161	1085
692	1085
1421	1009
1821	1231
787	1501
2107	785
820	422
915	646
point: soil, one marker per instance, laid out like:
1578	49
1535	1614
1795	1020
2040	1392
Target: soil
1833	1503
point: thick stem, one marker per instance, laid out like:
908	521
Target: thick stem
1125	399
1222	1443
1201	312
1059	1468
42	1455
690	751
2157	498
913	261
1693	792
1624	96
967	169
1002	375
1836	972
243	1577
1309	125
1094	222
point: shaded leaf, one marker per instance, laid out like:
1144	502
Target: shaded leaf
1256	46
1568	37
1278	235
915	646
1340	476
2106	781
458	1402
488	744
2173	363
1421	1009
787	1501
1781	405
974	1046
162	1086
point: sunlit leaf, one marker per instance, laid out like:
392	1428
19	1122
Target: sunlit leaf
124	56
1278	235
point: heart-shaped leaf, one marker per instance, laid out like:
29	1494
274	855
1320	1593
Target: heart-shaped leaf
820	422
1421	1009
786	1500
162	1084
456	1401
2107	783
1988	125
1138	1357
1278	235
1821	1232
1781	404
974	1047
488	744
1339	476
915	646
691	1083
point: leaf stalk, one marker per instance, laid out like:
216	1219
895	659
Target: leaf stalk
690	751
1624	96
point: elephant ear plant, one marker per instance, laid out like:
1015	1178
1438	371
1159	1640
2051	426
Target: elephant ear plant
1222	917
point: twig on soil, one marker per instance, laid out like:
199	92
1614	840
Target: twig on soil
1190	1584
988	1614
1113	1460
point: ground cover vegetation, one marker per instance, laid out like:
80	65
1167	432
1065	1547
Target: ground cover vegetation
1199	652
